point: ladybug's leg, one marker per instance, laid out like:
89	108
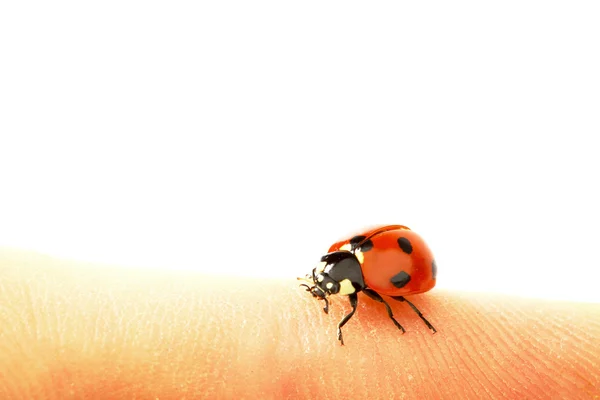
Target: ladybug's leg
401	298
353	302
375	296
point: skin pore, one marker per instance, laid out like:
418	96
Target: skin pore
77	330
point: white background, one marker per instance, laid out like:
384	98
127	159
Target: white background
245	137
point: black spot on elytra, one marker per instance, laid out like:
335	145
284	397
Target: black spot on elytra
433	269
405	245
355	241
400	279
366	246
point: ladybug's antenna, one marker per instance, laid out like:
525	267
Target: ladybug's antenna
305	279
317	293
308	288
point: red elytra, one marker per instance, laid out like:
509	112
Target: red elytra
391	260
386	258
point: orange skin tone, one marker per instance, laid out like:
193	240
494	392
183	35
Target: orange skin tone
77	330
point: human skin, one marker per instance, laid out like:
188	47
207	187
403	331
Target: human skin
77	330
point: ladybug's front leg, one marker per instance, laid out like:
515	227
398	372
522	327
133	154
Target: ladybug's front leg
353	302
326	308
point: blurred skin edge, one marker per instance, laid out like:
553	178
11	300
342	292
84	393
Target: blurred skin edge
75	329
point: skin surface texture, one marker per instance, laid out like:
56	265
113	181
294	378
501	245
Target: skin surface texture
71	330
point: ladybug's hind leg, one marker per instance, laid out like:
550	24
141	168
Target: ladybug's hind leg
401	298
353	302
375	296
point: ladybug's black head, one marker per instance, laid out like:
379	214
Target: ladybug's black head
338	273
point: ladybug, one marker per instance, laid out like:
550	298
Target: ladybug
389	260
